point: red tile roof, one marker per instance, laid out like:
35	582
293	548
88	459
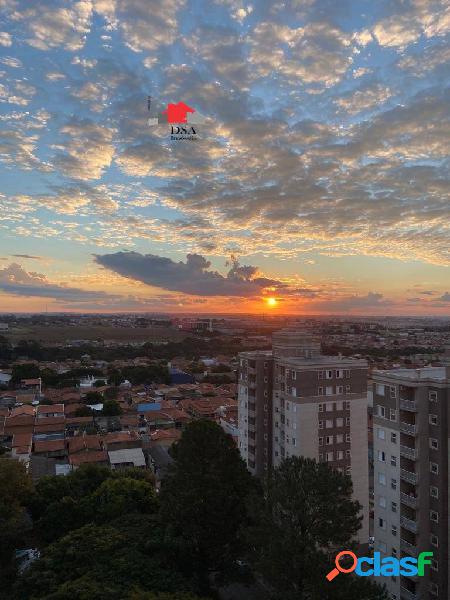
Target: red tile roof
165	434
22	439
88	457
43	409
83	442
26	409
41	446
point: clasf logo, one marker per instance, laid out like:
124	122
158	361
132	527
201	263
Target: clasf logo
181	117
388	566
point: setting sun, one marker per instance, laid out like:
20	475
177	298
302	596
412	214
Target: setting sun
271	301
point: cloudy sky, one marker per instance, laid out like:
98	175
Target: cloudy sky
320	176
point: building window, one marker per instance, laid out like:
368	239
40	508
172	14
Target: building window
394	461
339	374
434	589
434	491
434	516
339	422
432	395
434	443
329	456
347	373
329	374
329	390
329	423
348	389
339	438
321	407
348	453
393	391
320	391
394	530
393	438
294	375
381	411
434	468
381	433
393	484
340	404
432	419
347	421
348	437
339	455
320	374
321	441
320	424
382	502
294	442
393	414
381	478
380	389
329	406
434	540
381	523
339	389
394	506
381	456
329	440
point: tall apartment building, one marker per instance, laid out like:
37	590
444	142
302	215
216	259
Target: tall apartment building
296	402
411	476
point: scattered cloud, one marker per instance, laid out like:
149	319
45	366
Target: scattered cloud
190	277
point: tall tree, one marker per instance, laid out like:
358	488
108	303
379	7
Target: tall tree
303	518
15	488
203	498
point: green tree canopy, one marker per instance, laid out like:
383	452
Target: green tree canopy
111	408
203	498
105	562
303	518
15	488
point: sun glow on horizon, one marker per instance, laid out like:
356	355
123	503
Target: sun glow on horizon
271	301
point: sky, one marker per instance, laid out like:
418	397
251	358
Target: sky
317	182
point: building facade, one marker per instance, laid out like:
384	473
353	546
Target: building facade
411	475
296	402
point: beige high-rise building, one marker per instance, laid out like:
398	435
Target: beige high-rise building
411	475
296	402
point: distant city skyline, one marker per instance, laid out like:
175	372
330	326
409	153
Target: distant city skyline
319	182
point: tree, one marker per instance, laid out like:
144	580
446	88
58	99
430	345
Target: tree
99	383
115	377
84	411
105	563
304	517
15	487
25	371
203	498
93	398
117	497
111	408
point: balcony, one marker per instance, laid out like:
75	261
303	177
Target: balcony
409	476
408	428
408	548
408	524
409	405
407	595
408	452
411	501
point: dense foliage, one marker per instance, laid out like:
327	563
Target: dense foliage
106	534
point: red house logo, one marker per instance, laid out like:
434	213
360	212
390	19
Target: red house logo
176	113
